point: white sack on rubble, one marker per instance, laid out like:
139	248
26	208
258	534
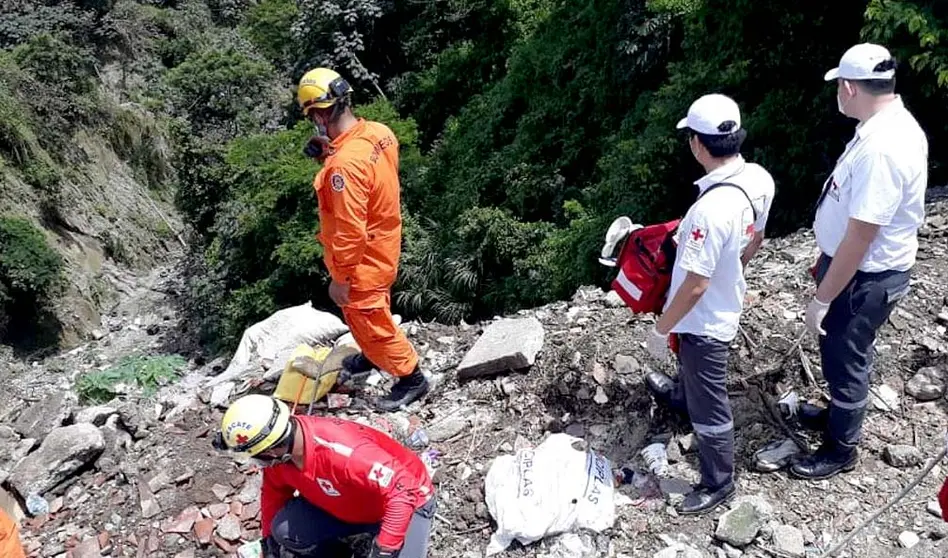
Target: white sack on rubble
552	489
269	343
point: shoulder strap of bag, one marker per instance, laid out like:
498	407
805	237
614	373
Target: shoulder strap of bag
719	184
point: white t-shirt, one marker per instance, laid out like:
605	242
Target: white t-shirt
880	178
712	237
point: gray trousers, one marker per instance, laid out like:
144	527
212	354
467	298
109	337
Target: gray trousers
846	350
305	530
701	390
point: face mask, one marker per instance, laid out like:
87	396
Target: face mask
840	105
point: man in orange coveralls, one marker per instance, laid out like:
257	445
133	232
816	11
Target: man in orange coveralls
361	229
10	546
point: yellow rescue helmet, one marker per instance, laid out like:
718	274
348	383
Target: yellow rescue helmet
321	88
254	423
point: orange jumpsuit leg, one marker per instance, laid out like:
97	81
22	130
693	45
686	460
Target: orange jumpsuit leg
10	546
381	341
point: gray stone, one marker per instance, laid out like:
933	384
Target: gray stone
789	540
934	508
908	539
884	398
739	526
627	365
730	551
228	528
63	452
220	395
902	456
95	415
927	384
509	344
149	504
447	428
601	374
12	450
40	418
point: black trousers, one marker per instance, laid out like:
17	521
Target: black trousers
702	391
846	351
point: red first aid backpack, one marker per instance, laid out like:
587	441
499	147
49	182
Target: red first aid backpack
646	260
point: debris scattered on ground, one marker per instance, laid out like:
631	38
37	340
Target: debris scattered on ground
136	476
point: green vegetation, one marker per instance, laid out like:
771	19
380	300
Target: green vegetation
147	373
30	275
526	126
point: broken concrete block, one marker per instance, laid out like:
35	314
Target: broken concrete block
509	344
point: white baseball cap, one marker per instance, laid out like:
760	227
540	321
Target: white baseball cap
859	62
713	115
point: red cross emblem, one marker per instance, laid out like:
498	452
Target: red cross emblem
241	439
697	235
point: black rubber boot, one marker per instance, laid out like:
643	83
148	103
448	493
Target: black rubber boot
829	460
355	367
405	391
703	499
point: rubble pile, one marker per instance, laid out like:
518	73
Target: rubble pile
137	476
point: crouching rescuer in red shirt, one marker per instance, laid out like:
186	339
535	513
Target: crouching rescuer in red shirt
351	479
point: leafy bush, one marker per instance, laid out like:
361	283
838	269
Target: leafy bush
217	85
147	373
31	273
28	266
268	24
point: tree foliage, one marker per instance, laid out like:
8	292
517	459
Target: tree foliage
30	274
526	126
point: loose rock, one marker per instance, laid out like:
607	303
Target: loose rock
221	394
927	384
908	539
64	451
40	418
789	540
902	456
509	344
447	428
884	398
627	365
740	525
95	415
228	528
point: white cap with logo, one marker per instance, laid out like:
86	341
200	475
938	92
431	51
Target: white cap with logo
713	115
859	63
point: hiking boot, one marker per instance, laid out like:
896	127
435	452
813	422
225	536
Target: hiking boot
355	367
705	499
826	462
406	390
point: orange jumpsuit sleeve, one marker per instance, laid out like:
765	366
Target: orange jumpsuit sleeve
349	184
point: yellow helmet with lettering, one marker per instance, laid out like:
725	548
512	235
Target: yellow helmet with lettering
321	88
254	424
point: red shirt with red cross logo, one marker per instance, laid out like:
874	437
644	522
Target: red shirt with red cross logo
353	472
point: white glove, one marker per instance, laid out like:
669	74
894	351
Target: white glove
657	344
815	313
